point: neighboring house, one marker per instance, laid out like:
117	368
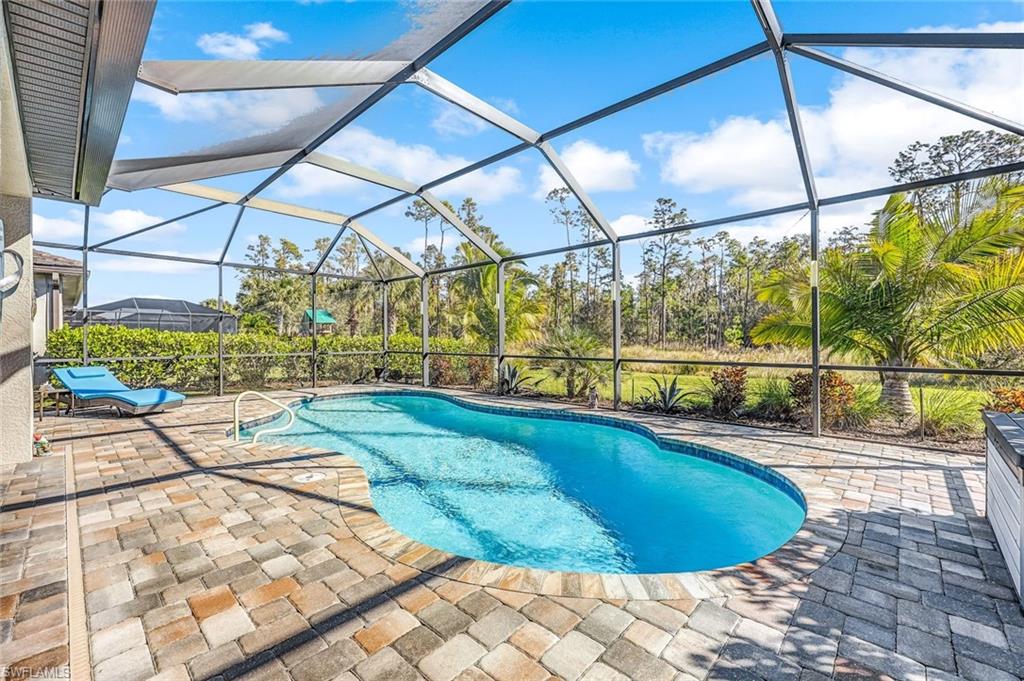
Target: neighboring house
57	285
163	314
325	323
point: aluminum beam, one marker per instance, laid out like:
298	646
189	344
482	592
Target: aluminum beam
330	248
368	174
616	325
990	41
500	303
456	34
373	261
908	89
455	221
381	245
295	211
574	186
815	330
231	234
773	32
223	76
359	172
312	326
143	230
476	106
220	325
453	94
425	328
146	173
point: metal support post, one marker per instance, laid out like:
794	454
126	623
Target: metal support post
616	326
815	331
425	327
500	301
220	329
384	325
85	289
312	324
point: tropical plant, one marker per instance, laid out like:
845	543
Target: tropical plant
865	408
925	287
664	397
572	347
478	288
728	391
773	400
511	379
949	413
837	397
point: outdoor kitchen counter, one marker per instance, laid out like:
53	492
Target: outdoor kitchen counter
1004	467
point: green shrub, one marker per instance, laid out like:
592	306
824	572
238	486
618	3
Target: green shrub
251	360
773	400
728	391
837	397
949	413
867	406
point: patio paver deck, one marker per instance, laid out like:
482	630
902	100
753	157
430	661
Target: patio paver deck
201	559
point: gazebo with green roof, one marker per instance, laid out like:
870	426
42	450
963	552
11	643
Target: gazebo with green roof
324	321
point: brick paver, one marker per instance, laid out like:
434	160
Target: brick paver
205	560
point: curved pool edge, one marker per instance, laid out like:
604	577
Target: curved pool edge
818	539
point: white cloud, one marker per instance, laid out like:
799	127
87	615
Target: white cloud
451	121
228	46
248	46
415	246
49	229
597	168
414	162
854	137
251	111
629	224
506	104
125	220
264	30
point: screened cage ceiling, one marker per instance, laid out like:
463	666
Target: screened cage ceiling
234	176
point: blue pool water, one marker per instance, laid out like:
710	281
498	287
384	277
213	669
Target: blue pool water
546	493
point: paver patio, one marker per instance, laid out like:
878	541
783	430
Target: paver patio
201	559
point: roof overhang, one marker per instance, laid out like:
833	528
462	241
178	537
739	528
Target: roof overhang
74	68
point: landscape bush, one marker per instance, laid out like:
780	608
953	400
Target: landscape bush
728	391
1007	400
837	397
949	413
189	359
773	400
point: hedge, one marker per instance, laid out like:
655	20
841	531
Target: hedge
197	375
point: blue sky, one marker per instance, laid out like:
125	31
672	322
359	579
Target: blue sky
719	147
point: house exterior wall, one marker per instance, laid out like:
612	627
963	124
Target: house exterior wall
16	310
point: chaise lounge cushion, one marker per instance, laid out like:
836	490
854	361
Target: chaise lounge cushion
96	382
144	397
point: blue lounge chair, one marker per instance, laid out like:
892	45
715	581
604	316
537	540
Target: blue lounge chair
96	386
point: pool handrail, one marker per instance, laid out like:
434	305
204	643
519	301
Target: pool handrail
256	435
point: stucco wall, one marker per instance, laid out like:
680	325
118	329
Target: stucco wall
16	315
16	336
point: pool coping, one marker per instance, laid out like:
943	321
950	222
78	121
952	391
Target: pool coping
820	536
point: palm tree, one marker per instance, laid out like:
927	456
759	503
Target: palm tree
478	288
579	374
939	287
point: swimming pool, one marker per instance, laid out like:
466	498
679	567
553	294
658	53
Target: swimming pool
488	483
